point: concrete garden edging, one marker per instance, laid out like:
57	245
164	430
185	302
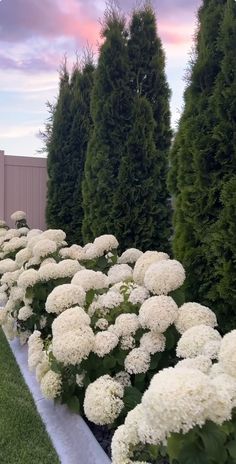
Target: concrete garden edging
70	435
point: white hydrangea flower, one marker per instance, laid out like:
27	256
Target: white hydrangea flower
44	247
48	261
18	216
63	297
127	342
35	352
121	446
137	361
33	233
105	302
9	328
32	241
142	264
164	276
3	300
126	324
123	378
48	272
12	233
3	316
23	230
28	278
153	342
51	385
130	256
202	363
119	272
74	346
194	341
216	369
32	262
101	324
225	384
10	278
176	401
3	223
68	268
7	265
227	353
192	314
16	294
104	343
24	313
42	368
74	252
138	295
14	244
70	319
89	279
103	400
158	313
56	235
106	243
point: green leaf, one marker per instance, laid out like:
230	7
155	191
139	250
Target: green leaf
174	445
132	397
213	439
192	454
74	404
109	362
231	447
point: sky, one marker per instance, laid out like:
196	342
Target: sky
36	34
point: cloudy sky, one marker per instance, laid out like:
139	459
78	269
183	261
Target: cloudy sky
35	35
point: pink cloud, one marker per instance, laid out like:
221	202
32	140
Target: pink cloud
23	19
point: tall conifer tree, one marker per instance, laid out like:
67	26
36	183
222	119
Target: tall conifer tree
148	79
110	109
220	243
79	136
193	161
58	215
66	143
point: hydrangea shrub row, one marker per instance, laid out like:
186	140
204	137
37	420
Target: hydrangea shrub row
110	336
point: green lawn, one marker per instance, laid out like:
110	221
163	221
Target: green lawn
23	438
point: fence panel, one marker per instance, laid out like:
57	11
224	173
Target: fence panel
23	186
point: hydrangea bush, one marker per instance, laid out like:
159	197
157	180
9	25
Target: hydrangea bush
112	337
188	413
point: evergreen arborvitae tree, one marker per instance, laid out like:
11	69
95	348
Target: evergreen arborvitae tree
79	136
110	110
193	161
148	79
140	200
147	72
221	241
66	142
58	210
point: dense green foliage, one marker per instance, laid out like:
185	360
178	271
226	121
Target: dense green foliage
203	158
58	211
126	168
111	114
23	438
79	136
67	145
140	200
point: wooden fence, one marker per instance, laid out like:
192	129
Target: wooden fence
23	186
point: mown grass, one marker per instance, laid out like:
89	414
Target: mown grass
23	437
